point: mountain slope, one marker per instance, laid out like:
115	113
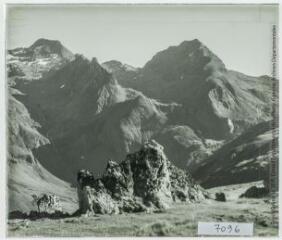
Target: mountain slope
242	160
89	119
26	176
184	147
71	96
112	134
190	74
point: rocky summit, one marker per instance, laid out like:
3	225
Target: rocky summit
145	181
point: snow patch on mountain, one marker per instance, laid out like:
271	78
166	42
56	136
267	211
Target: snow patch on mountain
38	59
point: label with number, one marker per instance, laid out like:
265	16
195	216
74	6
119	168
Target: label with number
225	228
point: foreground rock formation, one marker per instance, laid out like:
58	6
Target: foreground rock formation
145	181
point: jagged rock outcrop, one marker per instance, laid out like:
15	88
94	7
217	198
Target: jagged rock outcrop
183	186
145	180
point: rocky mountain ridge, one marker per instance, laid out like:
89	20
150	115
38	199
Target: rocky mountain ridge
191	75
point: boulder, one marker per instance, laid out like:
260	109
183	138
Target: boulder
220	197
255	192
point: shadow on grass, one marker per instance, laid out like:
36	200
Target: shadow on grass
34	215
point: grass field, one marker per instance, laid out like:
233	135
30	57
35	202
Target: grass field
180	220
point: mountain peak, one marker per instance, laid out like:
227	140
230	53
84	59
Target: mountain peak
114	66
45	42
113	62
189	57
192	43
196	45
44	47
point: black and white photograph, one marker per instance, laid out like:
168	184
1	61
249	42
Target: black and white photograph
142	120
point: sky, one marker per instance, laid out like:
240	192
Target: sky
239	35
